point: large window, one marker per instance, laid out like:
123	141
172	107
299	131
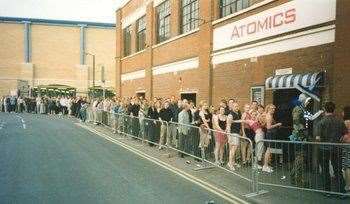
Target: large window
127	40
163	21
228	7
190	13
141	34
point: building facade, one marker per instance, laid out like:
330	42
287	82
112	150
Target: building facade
36	52
245	49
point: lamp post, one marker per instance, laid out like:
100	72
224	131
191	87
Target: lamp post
93	68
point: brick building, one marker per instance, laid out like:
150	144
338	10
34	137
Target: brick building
42	52
246	49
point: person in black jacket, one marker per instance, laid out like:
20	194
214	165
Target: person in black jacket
165	116
153	116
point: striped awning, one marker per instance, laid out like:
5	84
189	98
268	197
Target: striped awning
294	80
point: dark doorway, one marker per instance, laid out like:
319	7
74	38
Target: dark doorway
141	95
189	96
285	100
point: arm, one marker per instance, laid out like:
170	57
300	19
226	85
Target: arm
269	120
201	114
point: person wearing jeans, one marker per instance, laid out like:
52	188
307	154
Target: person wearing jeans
331	130
165	116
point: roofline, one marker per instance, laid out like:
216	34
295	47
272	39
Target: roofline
56	22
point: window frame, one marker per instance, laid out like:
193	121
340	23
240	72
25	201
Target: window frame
227	8
127	41
192	7
163	23
141	34
260	89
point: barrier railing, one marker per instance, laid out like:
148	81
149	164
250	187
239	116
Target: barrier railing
312	166
297	165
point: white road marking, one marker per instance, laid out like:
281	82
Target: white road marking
213	189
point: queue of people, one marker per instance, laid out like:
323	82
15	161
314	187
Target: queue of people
73	106
198	130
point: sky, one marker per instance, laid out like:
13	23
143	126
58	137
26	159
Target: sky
77	10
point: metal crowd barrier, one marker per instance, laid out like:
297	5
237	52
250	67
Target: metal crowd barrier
296	165
311	166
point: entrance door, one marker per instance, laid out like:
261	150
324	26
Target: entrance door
285	100
189	96
141	94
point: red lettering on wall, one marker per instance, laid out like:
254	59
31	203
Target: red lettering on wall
263	26
251	28
278	20
290	16
234	33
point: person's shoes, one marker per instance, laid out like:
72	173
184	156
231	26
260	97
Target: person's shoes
237	165
342	197
328	195
229	166
259	166
267	169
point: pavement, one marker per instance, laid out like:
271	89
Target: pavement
54	159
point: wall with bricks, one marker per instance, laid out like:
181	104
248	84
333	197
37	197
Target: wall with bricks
232	79
101	43
11	55
235	79
55	56
341	74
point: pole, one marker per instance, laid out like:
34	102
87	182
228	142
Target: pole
93	71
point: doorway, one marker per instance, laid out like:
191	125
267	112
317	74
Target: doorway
189	96
285	100
141	95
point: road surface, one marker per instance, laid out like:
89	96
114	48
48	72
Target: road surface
49	159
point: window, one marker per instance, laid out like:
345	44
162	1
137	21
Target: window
141	34
190	13
127	41
257	94
163	21
228	7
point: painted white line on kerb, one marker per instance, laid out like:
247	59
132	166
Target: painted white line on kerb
213	189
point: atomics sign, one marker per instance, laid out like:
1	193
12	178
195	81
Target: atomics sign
287	17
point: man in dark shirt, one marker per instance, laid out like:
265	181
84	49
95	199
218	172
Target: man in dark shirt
175	106
134	113
234	127
165	115
330	130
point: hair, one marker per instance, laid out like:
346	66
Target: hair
268	107
329	107
255	102
346	111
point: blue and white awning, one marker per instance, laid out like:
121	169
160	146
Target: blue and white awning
292	81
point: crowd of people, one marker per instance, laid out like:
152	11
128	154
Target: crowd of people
73	106
196	130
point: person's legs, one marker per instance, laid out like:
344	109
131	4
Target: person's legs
244	145
324	156
217	151
181	144
162	135
347	178
336	160
259	146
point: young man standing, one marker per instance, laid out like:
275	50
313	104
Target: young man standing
165	116
330	130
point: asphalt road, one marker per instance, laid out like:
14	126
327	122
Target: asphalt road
47	159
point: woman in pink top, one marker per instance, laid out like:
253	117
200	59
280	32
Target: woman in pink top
219	125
